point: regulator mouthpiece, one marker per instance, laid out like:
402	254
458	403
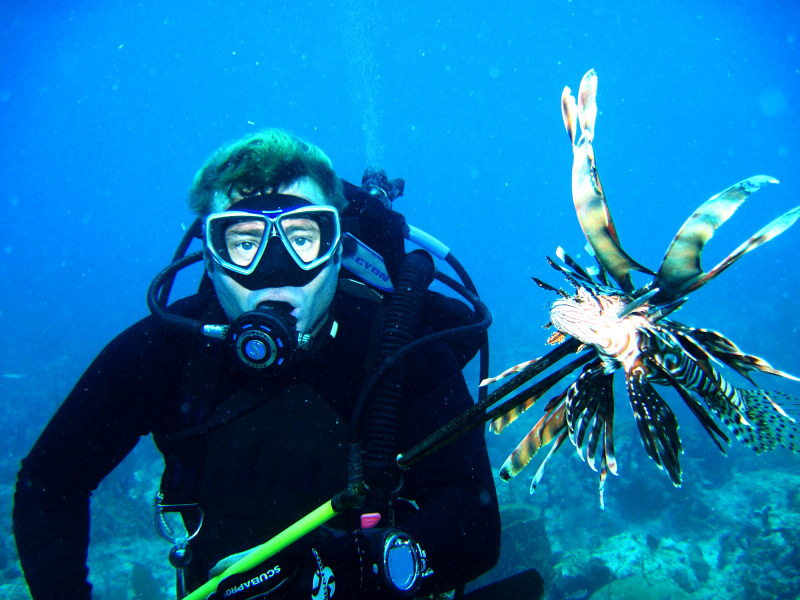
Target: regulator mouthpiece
264	340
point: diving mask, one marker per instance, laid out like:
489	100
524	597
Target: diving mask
273	240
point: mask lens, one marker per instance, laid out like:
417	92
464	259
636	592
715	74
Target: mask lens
303	237
242	241
236	240
309	235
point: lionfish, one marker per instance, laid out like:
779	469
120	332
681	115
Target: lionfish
621	327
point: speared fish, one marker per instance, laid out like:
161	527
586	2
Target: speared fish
623	328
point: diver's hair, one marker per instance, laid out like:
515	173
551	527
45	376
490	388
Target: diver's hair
270	158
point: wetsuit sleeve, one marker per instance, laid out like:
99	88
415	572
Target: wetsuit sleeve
458	521
94	429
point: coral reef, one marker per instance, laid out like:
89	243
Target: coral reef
639	588
734	534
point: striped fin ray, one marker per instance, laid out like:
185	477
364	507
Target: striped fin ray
703	416
568	274
540	471
508	372
602	274
637	302
771	425
680	267
700	378
690	365
658	427
501	422
550	427
580	277
577	270
762	236
587	191
590	416
727	352
546	286
602	486
608	460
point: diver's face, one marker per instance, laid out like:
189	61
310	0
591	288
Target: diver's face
310	302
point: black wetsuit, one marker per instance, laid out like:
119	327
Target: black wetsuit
256	453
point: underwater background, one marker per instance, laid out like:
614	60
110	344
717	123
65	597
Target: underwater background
107	109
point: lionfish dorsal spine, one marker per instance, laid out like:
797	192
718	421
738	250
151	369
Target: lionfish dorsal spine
637	302
762	236
588	197
680	269
569	112
587	105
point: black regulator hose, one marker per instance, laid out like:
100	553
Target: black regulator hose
195	231
156	297
384	411
483	360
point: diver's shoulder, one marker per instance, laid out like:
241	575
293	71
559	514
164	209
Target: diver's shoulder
356	302
361	303
152	331
197	306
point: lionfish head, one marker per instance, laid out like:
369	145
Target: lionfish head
594	319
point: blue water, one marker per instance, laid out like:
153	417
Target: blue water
107	109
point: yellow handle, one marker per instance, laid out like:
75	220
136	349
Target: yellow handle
261	553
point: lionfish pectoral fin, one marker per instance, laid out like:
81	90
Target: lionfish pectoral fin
537	478
724	350
748	362
507	372
771	425
608	450
602	427
501	422
601	487
658	427
548	428
703	416
590	403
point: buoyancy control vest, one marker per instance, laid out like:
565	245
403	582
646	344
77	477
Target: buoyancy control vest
256	474
254	454
268	451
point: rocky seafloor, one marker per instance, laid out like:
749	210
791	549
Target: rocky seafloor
731	531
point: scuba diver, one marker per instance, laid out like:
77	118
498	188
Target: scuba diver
295	370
